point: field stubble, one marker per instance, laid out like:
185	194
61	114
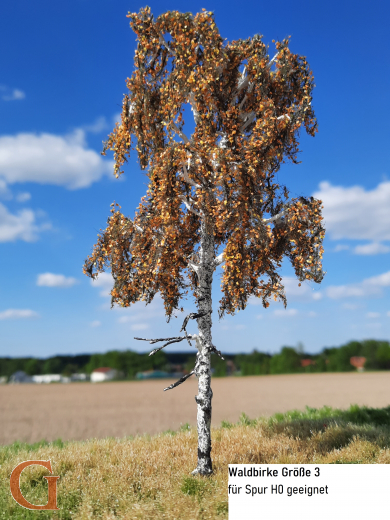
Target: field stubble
79	411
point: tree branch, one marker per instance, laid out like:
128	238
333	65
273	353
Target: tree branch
250	119
244	82
180	381
179	132
219	259
192	101
187	178
273	59
169	341
187	205
193	316
165	43
276	217
212	348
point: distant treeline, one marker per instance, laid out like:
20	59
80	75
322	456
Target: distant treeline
288	361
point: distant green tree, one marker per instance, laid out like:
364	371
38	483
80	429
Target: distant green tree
321	365
382	355
128	362
52	366
96	361
368	350
69	369
219	366
339	358
33	367
256	363
287	362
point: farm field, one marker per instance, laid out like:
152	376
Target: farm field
80	411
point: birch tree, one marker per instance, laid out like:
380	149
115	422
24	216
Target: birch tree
212	199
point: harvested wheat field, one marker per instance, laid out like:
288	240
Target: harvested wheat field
79	411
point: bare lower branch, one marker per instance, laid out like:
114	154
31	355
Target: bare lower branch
193	316
166	344
212	348
151	341
168	340
180	381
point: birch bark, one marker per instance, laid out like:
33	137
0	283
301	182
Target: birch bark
204	343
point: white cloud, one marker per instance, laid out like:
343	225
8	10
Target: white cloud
285	312
375	325
21	226
374	248
355	213
23	197
369	287
15	314
351	306
388	314
137	312
116	118
12	95
140	326
51	159
4	191
340	247
312	314
98	126
55	280
105	281
240	326
373	315
128	319
95	323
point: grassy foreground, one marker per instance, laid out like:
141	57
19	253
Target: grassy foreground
148	477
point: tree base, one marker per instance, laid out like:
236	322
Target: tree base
206	472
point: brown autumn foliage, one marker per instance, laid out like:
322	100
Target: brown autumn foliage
246	126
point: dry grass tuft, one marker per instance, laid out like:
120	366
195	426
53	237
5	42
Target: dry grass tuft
149	477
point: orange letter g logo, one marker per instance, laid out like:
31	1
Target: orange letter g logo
15	485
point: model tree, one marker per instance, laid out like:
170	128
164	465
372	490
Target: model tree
209	193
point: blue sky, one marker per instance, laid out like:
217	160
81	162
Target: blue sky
61	86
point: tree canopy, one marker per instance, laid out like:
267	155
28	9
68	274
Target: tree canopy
247	111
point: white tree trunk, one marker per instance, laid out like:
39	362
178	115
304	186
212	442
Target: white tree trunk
204	342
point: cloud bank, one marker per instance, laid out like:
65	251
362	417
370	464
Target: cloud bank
51	159
356	214
55	280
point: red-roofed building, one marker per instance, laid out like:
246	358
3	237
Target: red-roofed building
307	362
103	374
358	362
